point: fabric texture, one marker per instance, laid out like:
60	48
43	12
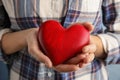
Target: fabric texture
4	24
103	14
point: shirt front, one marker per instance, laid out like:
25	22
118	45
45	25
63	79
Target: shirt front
103	14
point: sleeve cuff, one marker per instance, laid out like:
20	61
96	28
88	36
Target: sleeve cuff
109	41
103	41
111	47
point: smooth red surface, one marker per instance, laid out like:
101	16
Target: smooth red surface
60	44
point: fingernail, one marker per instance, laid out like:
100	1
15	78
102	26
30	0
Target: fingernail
48	65
86	49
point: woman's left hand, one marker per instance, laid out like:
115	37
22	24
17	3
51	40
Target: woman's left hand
86	56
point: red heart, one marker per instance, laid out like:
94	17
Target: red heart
61	44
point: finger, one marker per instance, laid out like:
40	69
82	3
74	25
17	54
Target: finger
33	48
81	64
66	68
40	56
77	59
89	48
88	26
89	58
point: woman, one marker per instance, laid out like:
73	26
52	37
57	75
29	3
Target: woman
30	63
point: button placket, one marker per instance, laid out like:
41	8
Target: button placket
49	74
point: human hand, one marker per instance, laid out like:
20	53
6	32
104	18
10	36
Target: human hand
78	61
34	49
87	55
88	52
82	59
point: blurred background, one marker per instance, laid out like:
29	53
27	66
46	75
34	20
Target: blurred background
114	72
3	71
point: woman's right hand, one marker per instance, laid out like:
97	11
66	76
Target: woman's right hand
34	49
15	41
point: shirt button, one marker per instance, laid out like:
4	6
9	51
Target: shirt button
49	74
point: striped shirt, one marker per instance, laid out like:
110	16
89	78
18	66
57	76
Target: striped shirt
103	14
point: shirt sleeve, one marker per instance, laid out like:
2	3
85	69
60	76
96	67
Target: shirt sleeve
4	27
111	38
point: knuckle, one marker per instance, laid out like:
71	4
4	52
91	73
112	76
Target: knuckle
31	50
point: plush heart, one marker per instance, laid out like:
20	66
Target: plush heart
59	43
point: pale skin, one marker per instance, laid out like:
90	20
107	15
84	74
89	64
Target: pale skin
27	38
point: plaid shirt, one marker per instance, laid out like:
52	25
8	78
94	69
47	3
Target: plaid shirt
103	14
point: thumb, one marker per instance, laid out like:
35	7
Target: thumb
38	55
34	50
88	26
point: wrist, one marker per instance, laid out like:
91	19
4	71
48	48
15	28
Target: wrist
14	41
30	34
99	53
